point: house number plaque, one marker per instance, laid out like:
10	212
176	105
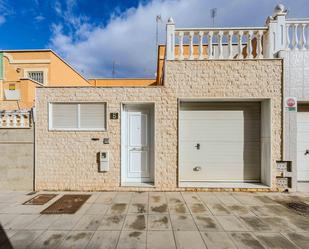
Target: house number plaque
114	115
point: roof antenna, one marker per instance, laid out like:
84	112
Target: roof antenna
114	70
213	14
158	19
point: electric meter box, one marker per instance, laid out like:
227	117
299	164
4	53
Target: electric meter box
104	162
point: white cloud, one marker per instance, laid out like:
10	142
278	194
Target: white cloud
2	19
129	37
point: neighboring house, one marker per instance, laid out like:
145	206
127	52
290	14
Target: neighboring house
221	114
21	71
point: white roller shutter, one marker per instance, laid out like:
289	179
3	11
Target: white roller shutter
64	116
78	116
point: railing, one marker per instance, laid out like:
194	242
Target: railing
15	119
238	43
297	34
225	43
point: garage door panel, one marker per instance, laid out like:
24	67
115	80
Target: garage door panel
220	172
210	152
232	130
229	138
221	115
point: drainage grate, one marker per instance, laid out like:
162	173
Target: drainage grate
40	199
300	207
67	204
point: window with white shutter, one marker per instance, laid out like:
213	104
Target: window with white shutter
77	116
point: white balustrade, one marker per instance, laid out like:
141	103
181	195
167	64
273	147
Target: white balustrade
297	34
220	43
238	43
15	119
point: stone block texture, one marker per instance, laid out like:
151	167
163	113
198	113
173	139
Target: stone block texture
66	160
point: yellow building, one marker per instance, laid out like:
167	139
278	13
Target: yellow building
21	71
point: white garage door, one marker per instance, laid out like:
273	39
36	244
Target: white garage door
303	143
219	142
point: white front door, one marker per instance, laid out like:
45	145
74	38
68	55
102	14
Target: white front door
303	146
137	144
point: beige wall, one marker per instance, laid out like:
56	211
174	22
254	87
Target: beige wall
67	160
17	157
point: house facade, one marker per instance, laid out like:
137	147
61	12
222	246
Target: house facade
21	71
227	111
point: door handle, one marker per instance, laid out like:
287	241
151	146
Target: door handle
197	146
306	152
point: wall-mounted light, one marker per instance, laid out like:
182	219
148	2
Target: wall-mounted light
18	70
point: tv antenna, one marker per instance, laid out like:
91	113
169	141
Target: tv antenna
158	19
213	14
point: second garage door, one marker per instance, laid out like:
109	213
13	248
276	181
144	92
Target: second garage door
219	141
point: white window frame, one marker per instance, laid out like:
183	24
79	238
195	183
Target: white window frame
41	69
50	117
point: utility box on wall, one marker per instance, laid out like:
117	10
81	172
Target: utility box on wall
104	162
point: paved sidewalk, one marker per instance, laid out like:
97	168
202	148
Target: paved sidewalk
158	220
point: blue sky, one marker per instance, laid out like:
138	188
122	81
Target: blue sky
92	34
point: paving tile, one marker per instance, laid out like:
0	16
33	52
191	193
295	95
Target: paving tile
76	239
178	208
160	240
208	197
189	239
198	208
191	197
255	224
273	210
275	241
104	240
88	223
207	223
132	240
218	209
97	208
265	199
227	198
247	199
279	224
299	239
217	240
83	209
65	222
21	221
118	208
123	197
21	239
159	222
174	197
138	208
140	197
158	208
300	223
183	222
135	222
231	223
105	198
157	197
246	240
239	209
43	222
48	239
112	222
6	218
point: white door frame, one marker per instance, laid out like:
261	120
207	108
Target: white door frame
124	132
